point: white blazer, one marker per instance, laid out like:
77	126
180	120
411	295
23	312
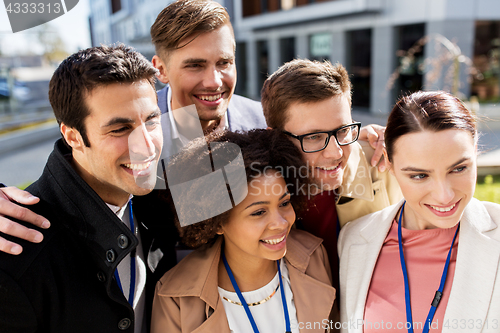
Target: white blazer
474	303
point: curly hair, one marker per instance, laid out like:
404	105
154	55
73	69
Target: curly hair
261	151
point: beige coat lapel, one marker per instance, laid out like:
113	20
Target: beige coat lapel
358	262
307	294
312	292
217	322
475	273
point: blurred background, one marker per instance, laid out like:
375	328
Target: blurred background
389	47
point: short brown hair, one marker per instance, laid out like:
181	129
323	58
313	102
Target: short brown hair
302	81
88	69
185	18
262	151
427	110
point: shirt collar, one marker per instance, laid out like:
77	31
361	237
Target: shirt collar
223	125
119	211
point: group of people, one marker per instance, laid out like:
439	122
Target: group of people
299	187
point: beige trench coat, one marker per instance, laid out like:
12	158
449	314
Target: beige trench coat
187	298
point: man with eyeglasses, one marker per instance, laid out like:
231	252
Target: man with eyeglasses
310	102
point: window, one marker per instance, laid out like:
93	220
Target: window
486	61
359	48
241	66
410	63
263	62
287	49
116	5
320	46
256	7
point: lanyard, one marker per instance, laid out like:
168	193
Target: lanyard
132	263
439	292
245	305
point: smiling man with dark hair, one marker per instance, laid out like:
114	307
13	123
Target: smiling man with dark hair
105	102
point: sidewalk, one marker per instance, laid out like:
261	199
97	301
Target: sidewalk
20	139
19	119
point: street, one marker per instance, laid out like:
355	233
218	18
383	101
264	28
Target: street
23	167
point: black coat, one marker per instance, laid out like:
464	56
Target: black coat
66	283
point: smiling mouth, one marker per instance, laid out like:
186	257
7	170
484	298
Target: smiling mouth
273	241
143	165
329	168
137	166
444	209
209	98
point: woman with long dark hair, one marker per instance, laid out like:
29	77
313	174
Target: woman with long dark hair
431	261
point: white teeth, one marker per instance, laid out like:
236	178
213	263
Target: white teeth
329	169
273	241
443	210
138	167
211	98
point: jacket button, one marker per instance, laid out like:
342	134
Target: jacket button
122	241
101	276
124	324
110	255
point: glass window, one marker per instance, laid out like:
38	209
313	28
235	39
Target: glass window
263	62
486	84
359	57
287	49
320	46
241	66
411	63
116	5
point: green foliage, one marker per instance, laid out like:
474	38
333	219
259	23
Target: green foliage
488	188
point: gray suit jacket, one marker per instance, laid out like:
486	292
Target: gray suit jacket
474	303
243	114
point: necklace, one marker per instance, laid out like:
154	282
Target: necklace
255	303
439	292
245	305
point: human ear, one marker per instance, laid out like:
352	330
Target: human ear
72	137
388	163
162	68
220	231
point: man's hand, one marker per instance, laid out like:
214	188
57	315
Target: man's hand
374	134
9	195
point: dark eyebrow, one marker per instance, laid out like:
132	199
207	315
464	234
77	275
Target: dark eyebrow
118	121
266	202
154	114
412	169
125	121
318	130
194	61
460	161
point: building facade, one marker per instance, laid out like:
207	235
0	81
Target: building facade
389	47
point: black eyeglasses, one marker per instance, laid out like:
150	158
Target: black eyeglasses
317	141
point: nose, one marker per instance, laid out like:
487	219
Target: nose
140	144
282	219
333	150
443	192
213	78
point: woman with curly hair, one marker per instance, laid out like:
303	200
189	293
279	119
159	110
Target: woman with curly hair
251	271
